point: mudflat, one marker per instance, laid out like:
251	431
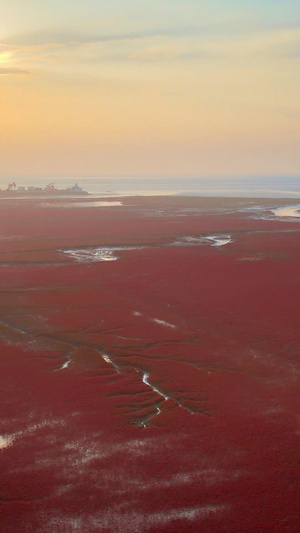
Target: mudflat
150	365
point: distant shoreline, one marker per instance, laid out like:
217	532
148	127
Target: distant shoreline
157	201
134	187
41	194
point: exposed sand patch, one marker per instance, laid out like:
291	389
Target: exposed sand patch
163	323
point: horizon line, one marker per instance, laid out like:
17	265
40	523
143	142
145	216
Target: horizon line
146	176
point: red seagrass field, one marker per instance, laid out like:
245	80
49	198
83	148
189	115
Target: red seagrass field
149	366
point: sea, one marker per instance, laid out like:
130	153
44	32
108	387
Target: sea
105	186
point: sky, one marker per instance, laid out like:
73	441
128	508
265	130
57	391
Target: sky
149	87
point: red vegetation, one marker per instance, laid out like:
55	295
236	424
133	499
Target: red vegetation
158	392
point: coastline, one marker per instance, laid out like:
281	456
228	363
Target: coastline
264	186
161	200
11	195
206	201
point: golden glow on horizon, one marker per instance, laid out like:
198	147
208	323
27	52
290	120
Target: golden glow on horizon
5	57
150	102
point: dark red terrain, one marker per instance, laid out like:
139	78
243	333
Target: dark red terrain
158	392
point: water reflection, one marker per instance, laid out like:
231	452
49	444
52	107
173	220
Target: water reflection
287	211
108	253
99	254
97	203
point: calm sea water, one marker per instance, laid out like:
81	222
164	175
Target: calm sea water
255	187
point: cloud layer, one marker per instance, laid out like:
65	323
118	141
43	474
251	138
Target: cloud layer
130	86
13	71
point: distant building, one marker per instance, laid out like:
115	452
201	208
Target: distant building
21	188
75	188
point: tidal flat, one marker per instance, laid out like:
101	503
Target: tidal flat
150	365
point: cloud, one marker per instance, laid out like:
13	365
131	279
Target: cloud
83	47
224	28
14	72
289	50
170	53
159	53
283	43
67	38
186	43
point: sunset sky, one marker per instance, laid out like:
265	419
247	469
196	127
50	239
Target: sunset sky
160	87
